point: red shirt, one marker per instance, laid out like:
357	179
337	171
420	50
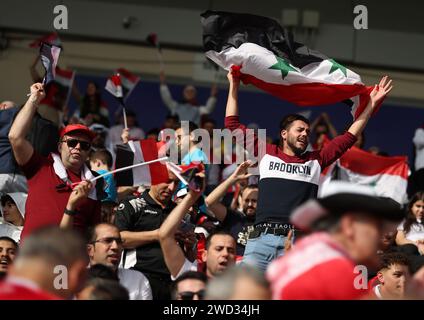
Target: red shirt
317	268
45	203
16	291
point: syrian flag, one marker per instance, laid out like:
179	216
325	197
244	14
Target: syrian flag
136	152
265	55
51	38
388	175
128	80
114	86
49	55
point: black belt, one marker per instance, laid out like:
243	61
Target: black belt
258	230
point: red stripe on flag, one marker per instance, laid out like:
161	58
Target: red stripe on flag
131	77
308	94
158	171
366	163
116	79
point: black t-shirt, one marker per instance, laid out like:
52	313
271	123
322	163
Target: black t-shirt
144	214
239	225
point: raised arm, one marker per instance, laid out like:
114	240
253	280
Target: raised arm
232	100
339	145
22	148
213	199
379	92
165	94
172	252
136	239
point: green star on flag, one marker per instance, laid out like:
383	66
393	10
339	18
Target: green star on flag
283	66
336	66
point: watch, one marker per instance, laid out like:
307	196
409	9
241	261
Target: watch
70	212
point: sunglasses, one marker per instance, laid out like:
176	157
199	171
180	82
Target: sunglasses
72	143
109	240
189	295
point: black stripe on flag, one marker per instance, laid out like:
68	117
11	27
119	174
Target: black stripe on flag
124	158
222	30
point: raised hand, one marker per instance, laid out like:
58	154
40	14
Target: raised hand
380	91
241	172
37	93
80	191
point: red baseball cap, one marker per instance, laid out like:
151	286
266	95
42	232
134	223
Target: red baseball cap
77	127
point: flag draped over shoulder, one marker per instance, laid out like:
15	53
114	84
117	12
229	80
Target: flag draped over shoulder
271	60
136	152
388	175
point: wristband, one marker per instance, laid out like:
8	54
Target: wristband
70	212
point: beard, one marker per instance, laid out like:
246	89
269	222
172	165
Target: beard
293	143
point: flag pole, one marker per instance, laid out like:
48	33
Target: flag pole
129	167
124	113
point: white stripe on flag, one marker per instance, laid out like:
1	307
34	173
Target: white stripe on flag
385	185
256	61
141	175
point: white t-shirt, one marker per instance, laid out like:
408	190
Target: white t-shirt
415	233
187	266
136	283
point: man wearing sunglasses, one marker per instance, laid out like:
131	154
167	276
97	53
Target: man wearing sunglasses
51	180
191	285
105	247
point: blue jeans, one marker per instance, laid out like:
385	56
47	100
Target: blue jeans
260	251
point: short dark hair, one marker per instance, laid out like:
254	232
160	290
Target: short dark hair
191	126
192	275
249	186
15	244
101	271
391	258
103	155
219	232
5	198
287	121
107	290
91	233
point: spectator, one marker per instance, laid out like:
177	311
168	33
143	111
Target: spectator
240	282
220	253
92	108
283	184
171	122
190	285
101	162
134	132
175	259
11	178
13	211
8	252
139	220
99	140
323	130
393	277
50	179
105	247
188	148
411	230
34	274
188	109
347	225
416	179
238	223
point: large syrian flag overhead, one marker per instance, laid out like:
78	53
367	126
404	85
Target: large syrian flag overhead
388	175
136	152
271	60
